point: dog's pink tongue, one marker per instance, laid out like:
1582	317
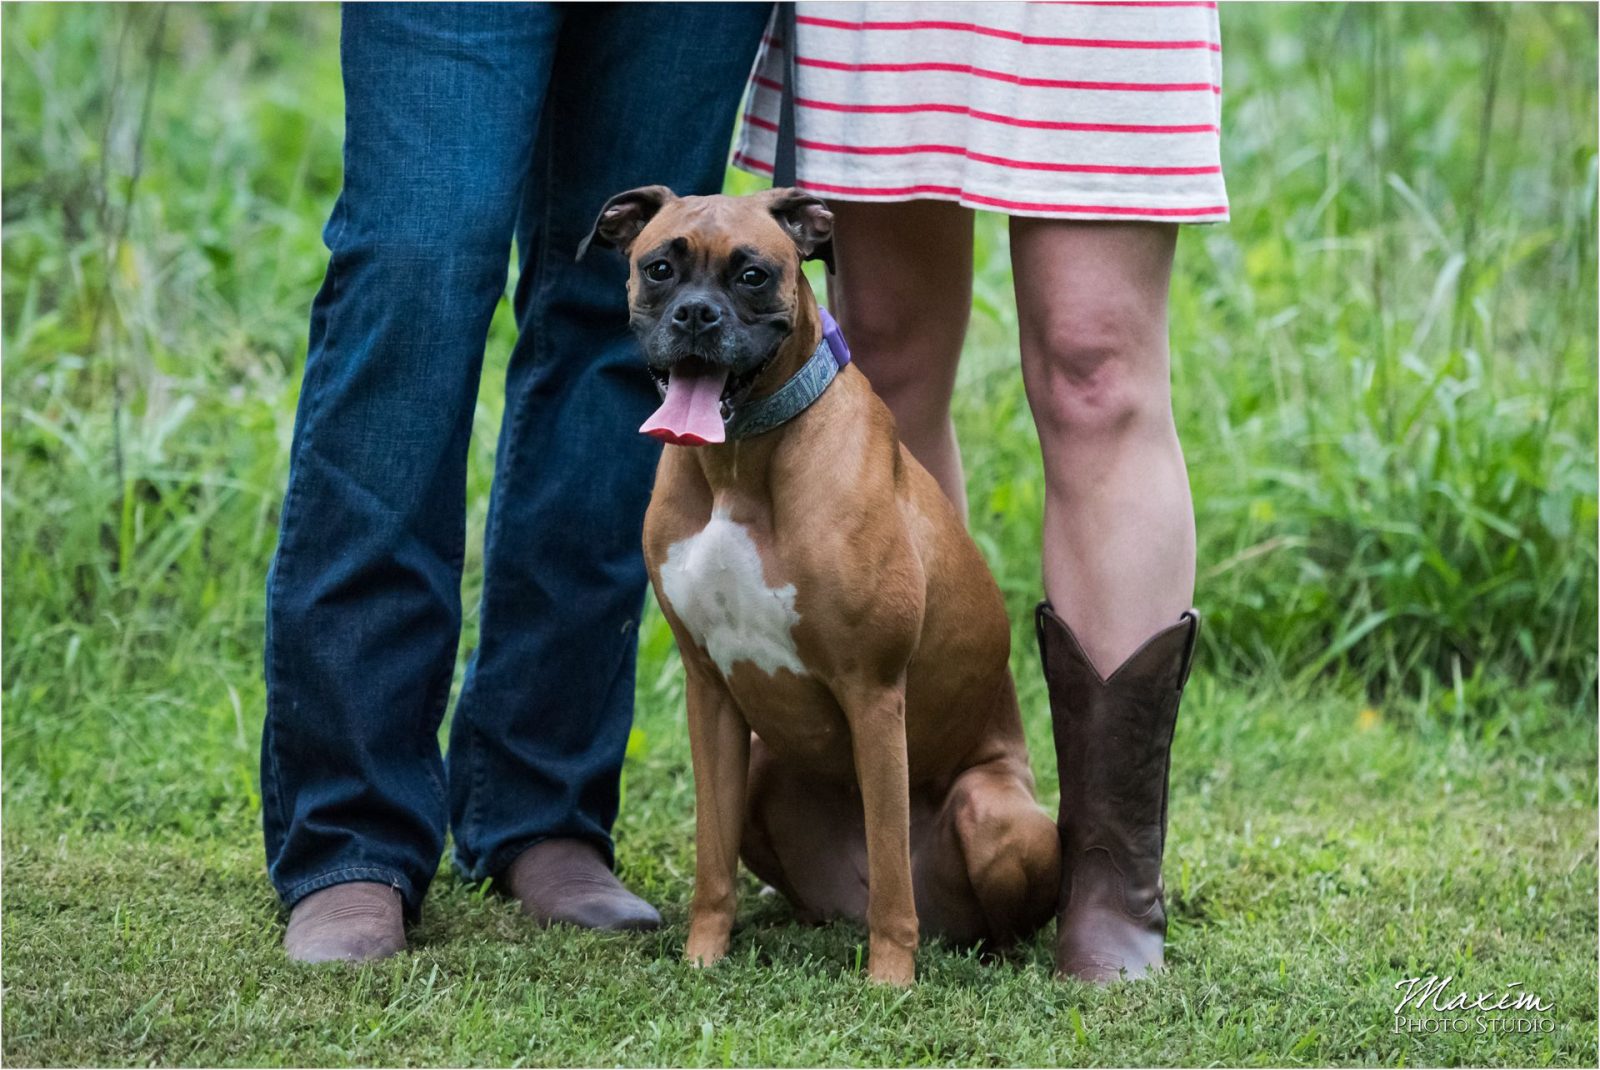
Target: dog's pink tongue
691	413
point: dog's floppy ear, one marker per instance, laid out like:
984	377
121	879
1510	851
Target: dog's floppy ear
807	220
624	216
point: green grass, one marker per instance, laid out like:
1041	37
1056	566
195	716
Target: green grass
1312	865
1385	377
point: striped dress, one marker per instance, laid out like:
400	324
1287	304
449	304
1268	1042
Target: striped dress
1061	110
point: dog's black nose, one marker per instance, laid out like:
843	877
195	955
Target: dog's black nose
696	315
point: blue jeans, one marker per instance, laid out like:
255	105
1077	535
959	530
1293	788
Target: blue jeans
466	124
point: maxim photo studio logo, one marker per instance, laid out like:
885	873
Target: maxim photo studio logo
1430	1005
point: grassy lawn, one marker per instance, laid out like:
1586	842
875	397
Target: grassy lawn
1385	376
1316	858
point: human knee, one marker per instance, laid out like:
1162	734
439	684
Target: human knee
908	360
1096	369
887	318
426	231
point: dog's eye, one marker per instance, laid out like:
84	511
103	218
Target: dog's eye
658	271
753	276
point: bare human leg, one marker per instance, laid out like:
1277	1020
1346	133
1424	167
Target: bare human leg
902	295
1119	544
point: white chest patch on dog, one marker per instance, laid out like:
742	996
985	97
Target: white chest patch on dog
715	584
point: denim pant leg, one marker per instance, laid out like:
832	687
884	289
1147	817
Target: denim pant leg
641	94
363	601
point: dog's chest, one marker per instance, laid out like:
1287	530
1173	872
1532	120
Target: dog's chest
714	581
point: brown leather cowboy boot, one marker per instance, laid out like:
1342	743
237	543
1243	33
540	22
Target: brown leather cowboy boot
1113	746
358	921
567	881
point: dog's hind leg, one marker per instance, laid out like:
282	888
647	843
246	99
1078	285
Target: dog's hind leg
807	840
1008	850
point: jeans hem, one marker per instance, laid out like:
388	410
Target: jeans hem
495	865
347	874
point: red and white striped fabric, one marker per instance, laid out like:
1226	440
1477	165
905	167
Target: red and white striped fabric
1063	110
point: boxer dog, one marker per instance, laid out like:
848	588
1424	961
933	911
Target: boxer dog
852	719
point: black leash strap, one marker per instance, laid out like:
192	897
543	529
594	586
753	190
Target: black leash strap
783	164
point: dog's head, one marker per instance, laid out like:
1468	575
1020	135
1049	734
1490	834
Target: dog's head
714	285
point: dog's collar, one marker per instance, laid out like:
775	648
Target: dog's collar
795	396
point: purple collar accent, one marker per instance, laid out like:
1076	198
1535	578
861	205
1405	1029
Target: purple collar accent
835	337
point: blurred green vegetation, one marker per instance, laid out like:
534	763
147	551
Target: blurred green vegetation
1385	379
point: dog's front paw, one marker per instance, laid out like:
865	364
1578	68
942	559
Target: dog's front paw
890	964
707	944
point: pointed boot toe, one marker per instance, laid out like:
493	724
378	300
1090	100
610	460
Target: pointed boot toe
567	882
360	921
